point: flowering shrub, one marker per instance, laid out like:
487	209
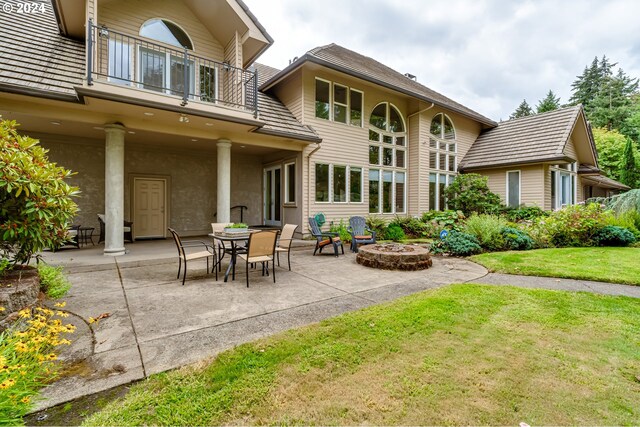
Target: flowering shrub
27	355
572	225
35	202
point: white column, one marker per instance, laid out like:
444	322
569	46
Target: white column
223	196
114	190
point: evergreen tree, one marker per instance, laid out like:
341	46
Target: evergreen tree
629	167
612	105
550	103
523	110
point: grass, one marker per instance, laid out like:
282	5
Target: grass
464	354
616	265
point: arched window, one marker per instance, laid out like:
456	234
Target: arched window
166	32
442	159
388	160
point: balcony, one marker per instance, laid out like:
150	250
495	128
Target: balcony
126	60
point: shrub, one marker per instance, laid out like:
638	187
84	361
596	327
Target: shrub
572	225
612	235
394	232
470	193
377	224
517	240
524	213
412	227
53	282
487	229
625	202
342	229
461	244
36	208
439	220
629	220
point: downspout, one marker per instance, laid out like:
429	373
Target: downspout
318	146
409	138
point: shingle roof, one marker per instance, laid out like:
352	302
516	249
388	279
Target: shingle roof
604	182
352	63
535	138
36	60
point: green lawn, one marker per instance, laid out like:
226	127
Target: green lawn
617	265
464	354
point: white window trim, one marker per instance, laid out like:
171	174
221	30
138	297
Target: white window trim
570	172
519	186
193	45
361	107
379	188
286	183
346	183
315	183
347	106
167	73
361	185
315	98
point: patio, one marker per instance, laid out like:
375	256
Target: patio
151	323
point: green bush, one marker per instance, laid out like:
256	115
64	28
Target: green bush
571	226
53	282
461	244
517	240
412	227
36	206
342	229
394	232
439	220
612	235
470	193
377	224
487	229
524	213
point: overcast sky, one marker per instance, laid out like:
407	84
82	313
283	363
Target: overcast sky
487	55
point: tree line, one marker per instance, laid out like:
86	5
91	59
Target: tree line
611	102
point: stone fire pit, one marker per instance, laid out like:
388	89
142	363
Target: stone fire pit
394	256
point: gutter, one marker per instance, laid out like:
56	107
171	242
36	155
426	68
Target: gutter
38	93
310	139
464	169
318	146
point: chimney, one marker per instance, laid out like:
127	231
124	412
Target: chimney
411	76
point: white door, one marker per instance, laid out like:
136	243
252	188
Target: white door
272	196
149	218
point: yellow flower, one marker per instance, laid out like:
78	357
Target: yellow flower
60	304
25	312
64	341
21	347
9	382
3	361
2	309
52	356
62	314
92	320
25	399
69	328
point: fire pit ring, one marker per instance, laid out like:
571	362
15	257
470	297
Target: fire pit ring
394	256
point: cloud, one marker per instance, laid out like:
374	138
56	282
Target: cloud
487	55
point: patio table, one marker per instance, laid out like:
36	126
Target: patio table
243	237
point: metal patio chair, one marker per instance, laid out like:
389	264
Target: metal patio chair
324	238
360	233
261	249
284	242
209	251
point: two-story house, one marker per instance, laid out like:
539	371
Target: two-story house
163	112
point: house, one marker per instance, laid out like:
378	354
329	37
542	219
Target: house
162	110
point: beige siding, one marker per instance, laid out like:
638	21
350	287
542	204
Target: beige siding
416	181
128	17
290	93
532	183
570	150
547	188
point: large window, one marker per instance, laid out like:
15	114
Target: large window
442	159
166	32
338	183
563	185
387	154
290	183
513	189
340	104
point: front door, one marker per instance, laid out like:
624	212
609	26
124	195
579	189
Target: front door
272	196
149	220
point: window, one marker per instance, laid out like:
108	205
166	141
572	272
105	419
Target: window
343	104
563	185
322	99
355	185
166	32
442	159
290	183
513	189
339	184
119	62
387	149
322	182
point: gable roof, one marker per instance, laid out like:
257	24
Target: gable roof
530	139
38	61
349	62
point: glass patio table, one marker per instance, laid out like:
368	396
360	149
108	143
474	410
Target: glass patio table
236	248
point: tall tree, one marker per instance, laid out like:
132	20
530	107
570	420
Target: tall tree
610	146
612	105
628	166
523	110
550	103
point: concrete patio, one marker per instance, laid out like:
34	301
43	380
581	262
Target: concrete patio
151	323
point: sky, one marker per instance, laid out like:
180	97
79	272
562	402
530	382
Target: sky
487	55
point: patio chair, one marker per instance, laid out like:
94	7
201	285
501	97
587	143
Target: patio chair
128	229
360	233
183	256
218	227
261	248
324	238
284	243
